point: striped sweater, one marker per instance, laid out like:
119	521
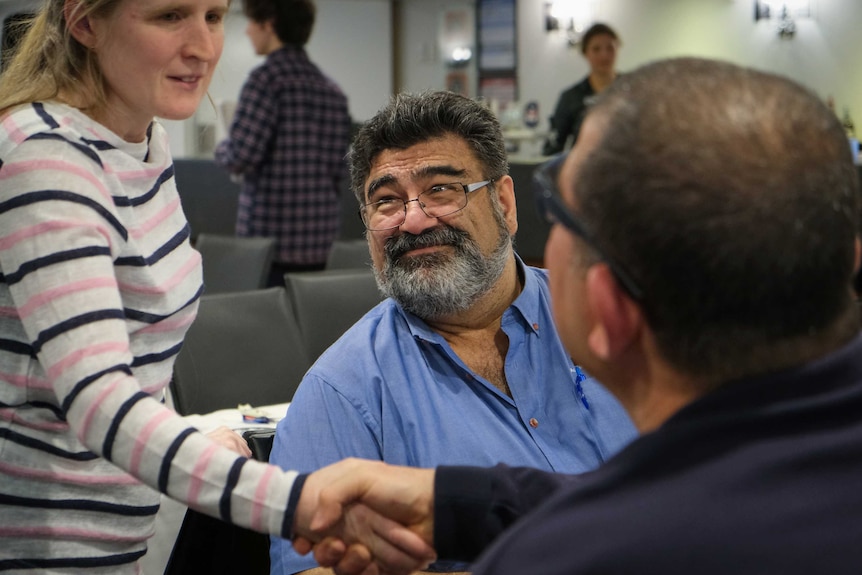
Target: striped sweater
98	284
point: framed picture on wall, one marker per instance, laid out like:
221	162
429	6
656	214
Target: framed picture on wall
497	50
500	89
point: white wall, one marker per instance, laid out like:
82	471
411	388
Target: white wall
825	54
353	38
351	43
421	40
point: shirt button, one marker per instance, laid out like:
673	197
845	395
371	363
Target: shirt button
535	326
534	423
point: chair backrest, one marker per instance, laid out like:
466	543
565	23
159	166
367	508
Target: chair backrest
351	225
233	263
209	196
533	230
328	302
348	254
244	347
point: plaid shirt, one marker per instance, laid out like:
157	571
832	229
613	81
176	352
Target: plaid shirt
288	140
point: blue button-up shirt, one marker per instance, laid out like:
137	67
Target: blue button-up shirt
392	389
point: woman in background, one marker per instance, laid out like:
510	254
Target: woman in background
599	46
99	284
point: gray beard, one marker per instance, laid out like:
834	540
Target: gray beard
436	285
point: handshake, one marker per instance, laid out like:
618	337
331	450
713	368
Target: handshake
367	517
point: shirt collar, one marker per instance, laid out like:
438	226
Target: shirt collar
289	51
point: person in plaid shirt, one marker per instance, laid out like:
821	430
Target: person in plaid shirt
287	141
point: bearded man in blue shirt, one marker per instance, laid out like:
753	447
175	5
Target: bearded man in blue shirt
461	364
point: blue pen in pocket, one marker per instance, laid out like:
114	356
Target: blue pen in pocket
579	377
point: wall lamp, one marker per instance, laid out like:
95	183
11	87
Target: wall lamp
785	12
460	56
571	17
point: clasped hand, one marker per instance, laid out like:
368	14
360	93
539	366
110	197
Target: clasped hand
367	518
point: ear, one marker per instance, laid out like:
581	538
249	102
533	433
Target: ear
505	190
79	28
617	320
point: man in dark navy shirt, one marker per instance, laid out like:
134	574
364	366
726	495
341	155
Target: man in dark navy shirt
702	260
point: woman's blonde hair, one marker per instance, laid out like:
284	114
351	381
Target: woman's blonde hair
49	62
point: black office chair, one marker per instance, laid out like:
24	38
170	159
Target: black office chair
348	254
232	263
244	347
209	196
328	302
351	225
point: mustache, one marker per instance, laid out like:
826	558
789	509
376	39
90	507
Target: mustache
397	246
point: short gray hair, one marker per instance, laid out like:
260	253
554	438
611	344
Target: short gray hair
410	119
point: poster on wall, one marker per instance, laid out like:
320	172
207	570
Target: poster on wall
501	91
497	49
498	78
496	35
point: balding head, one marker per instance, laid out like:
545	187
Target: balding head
731	197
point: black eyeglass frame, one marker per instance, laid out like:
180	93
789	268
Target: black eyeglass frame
468	189
553	210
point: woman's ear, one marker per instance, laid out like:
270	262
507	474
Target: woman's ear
78	27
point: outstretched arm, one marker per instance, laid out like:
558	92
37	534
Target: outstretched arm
460	510
403	494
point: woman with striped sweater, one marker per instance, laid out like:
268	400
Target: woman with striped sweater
98	284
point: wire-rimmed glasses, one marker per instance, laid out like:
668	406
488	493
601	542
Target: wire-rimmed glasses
436	202
551	208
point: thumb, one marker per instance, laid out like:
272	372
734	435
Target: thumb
324	495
